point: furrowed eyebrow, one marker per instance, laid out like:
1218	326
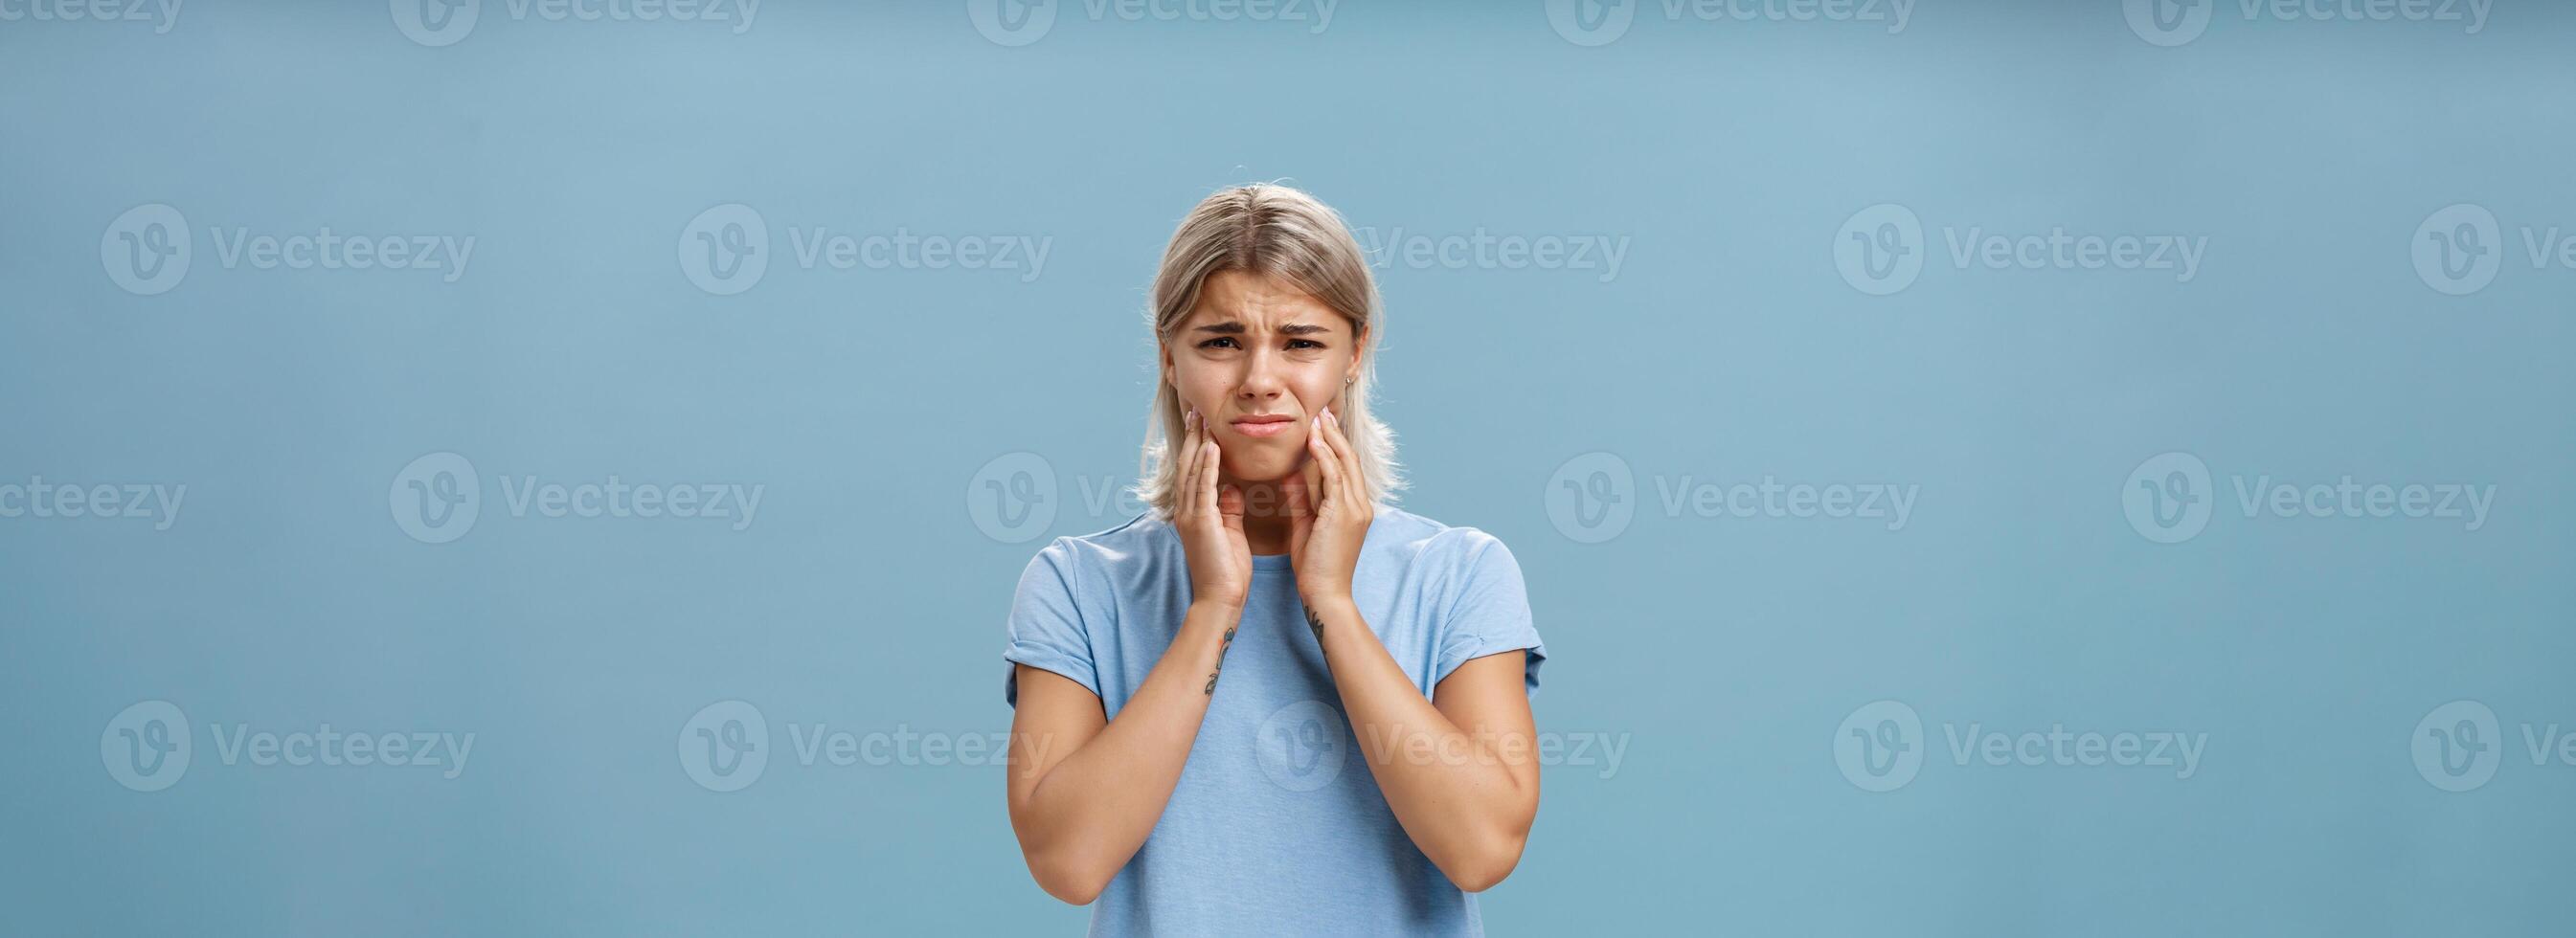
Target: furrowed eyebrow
1236	328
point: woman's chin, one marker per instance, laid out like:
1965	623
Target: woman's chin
1263	470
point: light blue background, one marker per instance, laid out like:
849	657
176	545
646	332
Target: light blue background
865	596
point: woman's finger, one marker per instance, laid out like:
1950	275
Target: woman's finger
1209	456
1185	460
1328	466
1352	482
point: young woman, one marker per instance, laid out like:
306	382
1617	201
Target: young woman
1193	686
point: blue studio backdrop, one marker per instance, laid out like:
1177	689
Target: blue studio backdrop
545	467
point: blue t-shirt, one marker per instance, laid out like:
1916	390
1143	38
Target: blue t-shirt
1277	826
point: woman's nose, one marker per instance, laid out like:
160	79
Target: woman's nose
1261	379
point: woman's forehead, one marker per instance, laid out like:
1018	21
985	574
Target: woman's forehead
1256	301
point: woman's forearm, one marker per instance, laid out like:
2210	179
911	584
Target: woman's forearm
1454	789
1091	811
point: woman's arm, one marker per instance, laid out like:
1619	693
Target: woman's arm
1086	790
1461	773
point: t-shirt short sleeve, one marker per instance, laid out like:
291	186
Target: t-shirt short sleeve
1490	612
1046	624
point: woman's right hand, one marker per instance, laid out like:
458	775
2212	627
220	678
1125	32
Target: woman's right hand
1210	521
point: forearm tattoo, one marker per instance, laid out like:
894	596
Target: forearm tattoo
1210	689
1317	624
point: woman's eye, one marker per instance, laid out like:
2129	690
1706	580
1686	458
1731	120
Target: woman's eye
1212	343
1304	343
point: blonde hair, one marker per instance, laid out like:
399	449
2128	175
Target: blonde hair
1284	233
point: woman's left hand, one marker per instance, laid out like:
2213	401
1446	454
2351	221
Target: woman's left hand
1329	513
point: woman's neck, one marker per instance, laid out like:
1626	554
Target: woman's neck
1265	516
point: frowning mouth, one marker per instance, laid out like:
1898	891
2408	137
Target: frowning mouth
1263	424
